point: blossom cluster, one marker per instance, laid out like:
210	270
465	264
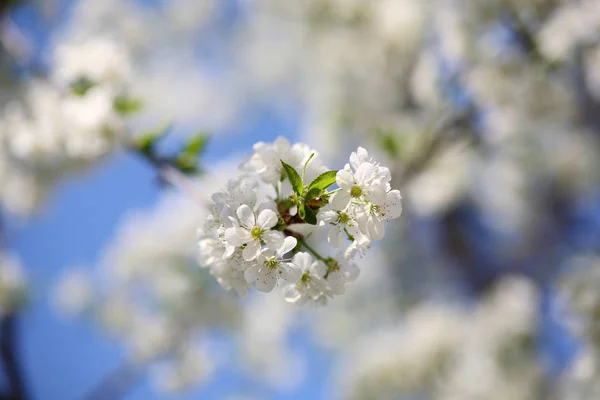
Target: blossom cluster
66	122
257	231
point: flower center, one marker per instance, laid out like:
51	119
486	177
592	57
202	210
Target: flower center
256	233
344	218
356	191
333	265
271	262
376	210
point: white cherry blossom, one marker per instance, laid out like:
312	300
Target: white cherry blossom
311	284
252	230
371	217
269	268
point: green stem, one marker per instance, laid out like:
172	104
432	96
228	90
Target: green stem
333	191
311	250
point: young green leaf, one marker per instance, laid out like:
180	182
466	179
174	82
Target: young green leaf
127	105
310	217
294	178
196	143
323	181
306	164
146	141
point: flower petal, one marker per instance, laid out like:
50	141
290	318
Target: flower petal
365	173
267	219
376	228
340	200
251	251
335	236
303	260
289	272
392	208
246	216
252	274
237	236
266	282
344	179
288	245
273	239
291	294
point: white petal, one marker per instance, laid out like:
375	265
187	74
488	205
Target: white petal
365	173
376	193
336	282
289	272
340	200
351	271
376	228
252	274
327	216
237	236
292	294
362	154
266	282
392	208
344	179
335	237
288	245
246	216
354	161
229	250
318	269
273	239
303	260
252	250
267	219
282	144
267	205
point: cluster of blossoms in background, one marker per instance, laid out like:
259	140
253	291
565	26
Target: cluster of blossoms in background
258	232
66	122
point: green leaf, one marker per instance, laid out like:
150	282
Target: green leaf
306	164
196	143
323	181
312	194
127	105
186	163
310	217
146	141
294	178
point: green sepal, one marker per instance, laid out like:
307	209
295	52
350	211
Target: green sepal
302	210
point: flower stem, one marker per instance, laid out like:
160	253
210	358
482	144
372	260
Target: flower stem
334	190
311	250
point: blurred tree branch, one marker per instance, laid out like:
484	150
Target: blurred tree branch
118	383
10	359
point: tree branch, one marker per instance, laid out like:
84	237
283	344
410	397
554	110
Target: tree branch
8	352
117	383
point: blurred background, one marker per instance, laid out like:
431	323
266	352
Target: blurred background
486	111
